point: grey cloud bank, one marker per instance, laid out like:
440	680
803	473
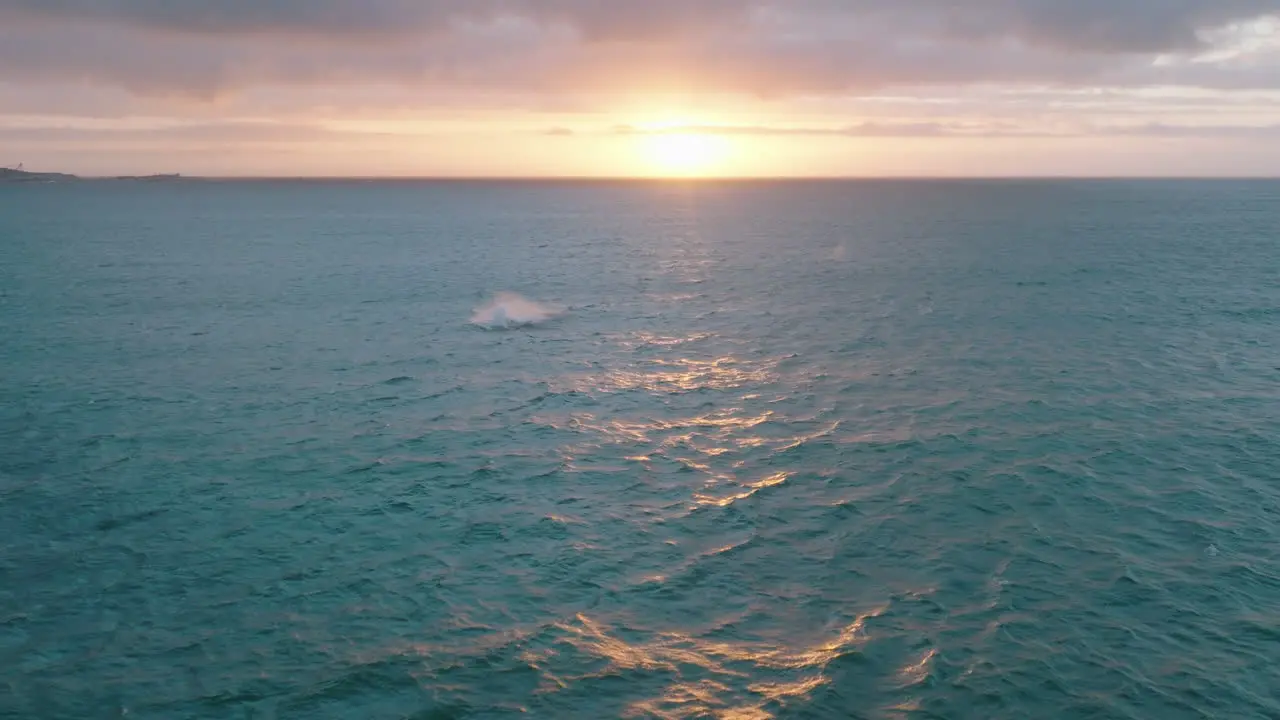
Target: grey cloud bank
761	47
1104	25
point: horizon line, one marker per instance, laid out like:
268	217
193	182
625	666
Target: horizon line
169	177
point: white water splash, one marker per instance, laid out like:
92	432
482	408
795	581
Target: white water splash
509	310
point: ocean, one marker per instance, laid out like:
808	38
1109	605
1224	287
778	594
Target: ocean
736	450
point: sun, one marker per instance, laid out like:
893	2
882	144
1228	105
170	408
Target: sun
685	154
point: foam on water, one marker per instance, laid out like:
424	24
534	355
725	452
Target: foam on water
509	310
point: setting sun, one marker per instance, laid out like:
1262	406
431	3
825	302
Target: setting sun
685	153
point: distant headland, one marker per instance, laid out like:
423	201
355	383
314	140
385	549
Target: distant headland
148	178
20	175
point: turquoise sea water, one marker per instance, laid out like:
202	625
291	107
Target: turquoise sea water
792	450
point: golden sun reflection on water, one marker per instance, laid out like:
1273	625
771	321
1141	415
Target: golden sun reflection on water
694	442
917	671
684	374
727	694
750	489
718	446
673	375
684	452
641	339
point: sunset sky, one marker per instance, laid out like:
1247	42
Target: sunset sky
662	87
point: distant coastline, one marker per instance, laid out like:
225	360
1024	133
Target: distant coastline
11	175
148	178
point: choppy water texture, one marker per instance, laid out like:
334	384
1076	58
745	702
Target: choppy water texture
798	450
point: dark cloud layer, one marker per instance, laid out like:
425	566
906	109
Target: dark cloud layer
765	47
1110	25
353	18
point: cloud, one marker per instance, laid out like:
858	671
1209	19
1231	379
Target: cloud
771	48
867	129
968	129
1157	129
1107	25
247	134
386	18
238	132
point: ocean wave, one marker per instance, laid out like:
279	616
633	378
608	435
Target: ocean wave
509	310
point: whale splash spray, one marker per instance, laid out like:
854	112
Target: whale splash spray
509	310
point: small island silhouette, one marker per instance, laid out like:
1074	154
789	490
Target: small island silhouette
18	174
21	175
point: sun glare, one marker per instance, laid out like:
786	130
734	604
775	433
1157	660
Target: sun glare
685	154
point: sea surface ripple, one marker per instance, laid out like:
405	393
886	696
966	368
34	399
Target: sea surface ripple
789	450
